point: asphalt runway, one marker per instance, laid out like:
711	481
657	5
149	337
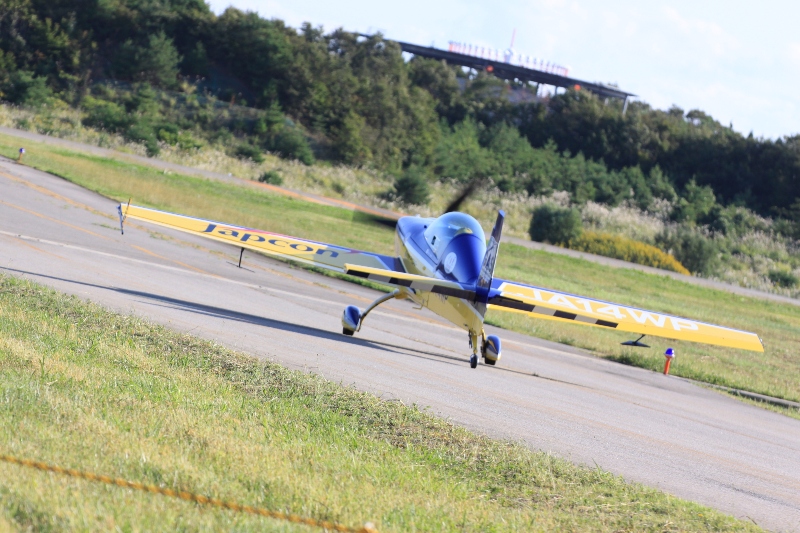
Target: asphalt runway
662	431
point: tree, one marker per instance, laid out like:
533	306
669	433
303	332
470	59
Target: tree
157	63
411	188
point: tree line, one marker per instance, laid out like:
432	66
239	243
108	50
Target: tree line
172	71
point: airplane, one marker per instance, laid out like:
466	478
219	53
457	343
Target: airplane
446	265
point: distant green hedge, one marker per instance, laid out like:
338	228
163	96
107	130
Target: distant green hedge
626	249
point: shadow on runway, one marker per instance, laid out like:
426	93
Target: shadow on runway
219	312
229	314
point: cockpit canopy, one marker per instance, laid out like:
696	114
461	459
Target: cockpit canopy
448	226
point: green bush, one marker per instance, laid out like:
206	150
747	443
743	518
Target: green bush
105	115
626	249
248	151
290	143
695	251
26	89
143	132
411	188
271	177
696	205
168	133
554	224
783	278
186	142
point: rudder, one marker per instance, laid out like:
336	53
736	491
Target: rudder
489	262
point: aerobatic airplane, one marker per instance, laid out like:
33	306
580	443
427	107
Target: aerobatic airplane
446	265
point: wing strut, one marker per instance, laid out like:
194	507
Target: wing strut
122	216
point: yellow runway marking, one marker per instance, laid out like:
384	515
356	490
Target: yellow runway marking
51	219
57	196
145	250
93	234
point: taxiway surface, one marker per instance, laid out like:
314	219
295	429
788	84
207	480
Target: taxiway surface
661	431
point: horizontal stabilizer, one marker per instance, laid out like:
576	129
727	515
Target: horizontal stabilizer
411	281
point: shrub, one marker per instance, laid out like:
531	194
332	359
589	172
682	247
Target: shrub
272	177
168	133
783	278
554	224
248	151
290	143
27	89
696	204
626	249
105	115
411	188
143	132
695	251
186	142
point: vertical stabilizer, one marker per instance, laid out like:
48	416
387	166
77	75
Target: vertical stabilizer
489	261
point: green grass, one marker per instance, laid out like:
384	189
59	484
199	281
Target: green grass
88	389
775	373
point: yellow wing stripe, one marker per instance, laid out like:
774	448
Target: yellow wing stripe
281	246
628	319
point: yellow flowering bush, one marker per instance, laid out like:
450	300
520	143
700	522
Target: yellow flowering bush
626	249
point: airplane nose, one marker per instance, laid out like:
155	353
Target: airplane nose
462	258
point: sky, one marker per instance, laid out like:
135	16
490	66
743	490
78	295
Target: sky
737	61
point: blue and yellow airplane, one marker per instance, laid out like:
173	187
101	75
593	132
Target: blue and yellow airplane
446	265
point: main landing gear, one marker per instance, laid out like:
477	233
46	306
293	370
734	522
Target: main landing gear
353	317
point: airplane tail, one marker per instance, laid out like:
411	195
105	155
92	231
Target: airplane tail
487	268
489	260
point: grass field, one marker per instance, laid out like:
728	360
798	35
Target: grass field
88	389
775	373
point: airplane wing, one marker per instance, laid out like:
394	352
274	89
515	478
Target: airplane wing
545	303
311	252
411	281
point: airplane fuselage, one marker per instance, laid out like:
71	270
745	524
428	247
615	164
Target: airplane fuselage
451	254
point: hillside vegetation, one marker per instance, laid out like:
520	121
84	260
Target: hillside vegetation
172	76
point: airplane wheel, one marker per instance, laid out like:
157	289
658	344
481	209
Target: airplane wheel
473	361
489	361
348	331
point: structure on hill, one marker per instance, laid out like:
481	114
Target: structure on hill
503	67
